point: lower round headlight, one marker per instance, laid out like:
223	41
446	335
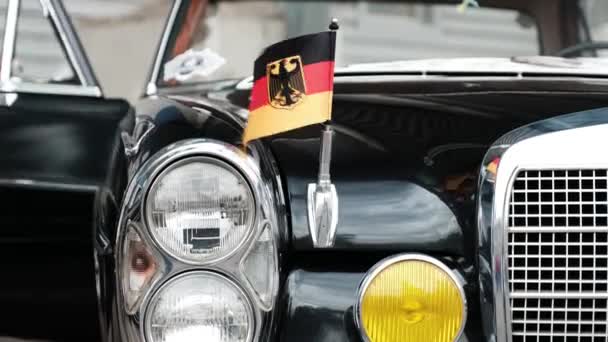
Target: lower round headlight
199	306
411	297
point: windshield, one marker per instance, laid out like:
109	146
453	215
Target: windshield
221	39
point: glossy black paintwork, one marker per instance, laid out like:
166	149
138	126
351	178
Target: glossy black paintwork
60	139
178	120
390	202
387	207
57	154
382	204
324	300
318	306
173	121
391	199
376	190
570	121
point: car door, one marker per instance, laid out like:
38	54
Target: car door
59	150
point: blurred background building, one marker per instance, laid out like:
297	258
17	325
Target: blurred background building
121	36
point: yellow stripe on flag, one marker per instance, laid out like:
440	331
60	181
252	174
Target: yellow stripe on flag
267	120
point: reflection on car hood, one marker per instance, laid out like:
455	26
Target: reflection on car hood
518	66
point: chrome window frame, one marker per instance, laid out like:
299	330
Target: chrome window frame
54	11
579	148
152	87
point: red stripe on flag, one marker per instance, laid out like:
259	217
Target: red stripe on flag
319	77
259	94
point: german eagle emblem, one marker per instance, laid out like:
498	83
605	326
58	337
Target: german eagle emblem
286	86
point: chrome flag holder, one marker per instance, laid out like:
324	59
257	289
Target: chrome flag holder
323	199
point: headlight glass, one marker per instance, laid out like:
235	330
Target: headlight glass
411	298
200	209
199	306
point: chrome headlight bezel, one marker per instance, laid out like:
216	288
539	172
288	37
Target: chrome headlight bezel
258	168
153	185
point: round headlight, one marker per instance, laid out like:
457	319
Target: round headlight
199	306
411	298
200	209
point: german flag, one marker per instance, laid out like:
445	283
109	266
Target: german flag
293	85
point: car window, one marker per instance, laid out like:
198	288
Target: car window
39	55
230	34
597	14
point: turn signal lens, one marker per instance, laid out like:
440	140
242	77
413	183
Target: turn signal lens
411	298
260	267
139	269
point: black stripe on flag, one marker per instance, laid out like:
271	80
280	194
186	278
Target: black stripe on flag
312	48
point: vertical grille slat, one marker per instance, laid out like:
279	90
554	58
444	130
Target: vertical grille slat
557	254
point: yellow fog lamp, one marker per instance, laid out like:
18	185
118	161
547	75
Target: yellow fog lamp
411	297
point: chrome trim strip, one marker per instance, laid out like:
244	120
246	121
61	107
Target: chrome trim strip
558	230
499	250
384	263
7	99
579	148
145	329
10	34
53	89
70	42
564	295
132	143
151	87
37	184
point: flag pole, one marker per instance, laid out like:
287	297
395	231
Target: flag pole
322	196
327	137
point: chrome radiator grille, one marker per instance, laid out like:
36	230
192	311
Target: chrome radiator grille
558	256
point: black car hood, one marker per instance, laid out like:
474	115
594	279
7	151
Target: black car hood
385	203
